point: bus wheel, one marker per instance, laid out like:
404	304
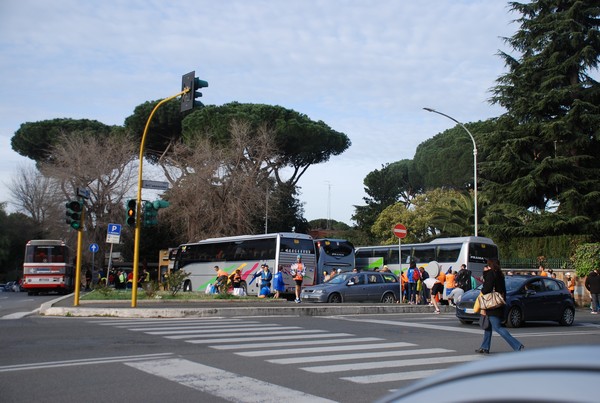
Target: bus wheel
334	298
187	286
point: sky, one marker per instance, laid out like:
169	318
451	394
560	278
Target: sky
365	68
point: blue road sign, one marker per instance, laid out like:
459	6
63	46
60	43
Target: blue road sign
94	247
114	229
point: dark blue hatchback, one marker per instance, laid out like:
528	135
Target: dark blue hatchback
528	299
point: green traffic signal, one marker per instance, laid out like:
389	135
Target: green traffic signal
150	215
74	214
158	204
131	212
193	84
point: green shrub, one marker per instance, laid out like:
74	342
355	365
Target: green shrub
586	258
176	279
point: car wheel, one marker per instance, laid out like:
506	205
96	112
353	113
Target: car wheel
388	298
515	317
568	317
334	298
465	321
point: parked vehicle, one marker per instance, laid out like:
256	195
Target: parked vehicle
369	286
528	299
513	377
10	286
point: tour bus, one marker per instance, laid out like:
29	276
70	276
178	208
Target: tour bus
335	254
247	253
438	255
48	267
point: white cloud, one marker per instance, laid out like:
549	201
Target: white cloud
364	68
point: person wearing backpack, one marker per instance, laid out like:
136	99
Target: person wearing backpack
413	277
463	278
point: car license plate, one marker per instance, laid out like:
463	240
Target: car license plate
469	310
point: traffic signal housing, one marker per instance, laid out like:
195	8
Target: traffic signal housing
74	214
158	204
150	215
188	100
131	214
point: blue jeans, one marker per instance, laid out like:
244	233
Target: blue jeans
496	323
412	292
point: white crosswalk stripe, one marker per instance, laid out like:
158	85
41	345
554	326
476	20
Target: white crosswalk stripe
378	360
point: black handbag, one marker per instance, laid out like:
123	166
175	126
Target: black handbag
484	322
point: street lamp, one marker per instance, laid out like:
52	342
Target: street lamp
474	157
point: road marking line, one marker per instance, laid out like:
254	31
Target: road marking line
323	369
223	384
245	329
296	343
192	327
377	346
212	337
401	376
356	356
302	335
190	323
138	321
86	361
417	325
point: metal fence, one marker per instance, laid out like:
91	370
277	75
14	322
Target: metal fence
532	264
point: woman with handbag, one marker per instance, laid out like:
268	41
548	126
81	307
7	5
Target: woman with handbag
493	281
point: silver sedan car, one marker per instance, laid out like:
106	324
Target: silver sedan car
367	286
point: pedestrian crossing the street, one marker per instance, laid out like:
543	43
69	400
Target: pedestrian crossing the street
361	360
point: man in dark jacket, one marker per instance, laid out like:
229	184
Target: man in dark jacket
463	278
592	284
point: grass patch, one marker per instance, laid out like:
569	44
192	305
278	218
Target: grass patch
124	295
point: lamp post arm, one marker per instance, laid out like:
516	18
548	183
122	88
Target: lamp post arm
474	160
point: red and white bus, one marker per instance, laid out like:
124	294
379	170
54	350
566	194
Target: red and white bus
48	267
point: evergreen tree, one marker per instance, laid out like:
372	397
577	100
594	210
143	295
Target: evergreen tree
544	158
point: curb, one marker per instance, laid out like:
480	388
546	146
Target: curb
220	311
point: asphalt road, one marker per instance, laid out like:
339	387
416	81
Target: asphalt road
346	358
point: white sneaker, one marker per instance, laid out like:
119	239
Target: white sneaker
297	300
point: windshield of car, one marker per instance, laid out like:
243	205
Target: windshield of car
341	278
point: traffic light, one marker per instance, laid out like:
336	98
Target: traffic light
158	204
131	212
150	215
74	212
188	100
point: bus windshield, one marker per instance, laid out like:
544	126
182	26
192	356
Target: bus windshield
334	254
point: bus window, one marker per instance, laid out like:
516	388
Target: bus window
423	254
448	253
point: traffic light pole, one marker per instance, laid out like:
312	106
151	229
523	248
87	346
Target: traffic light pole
138	216
78	264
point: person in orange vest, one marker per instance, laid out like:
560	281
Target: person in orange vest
222	277
404	280
570	285
542	272
298	271
450	284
